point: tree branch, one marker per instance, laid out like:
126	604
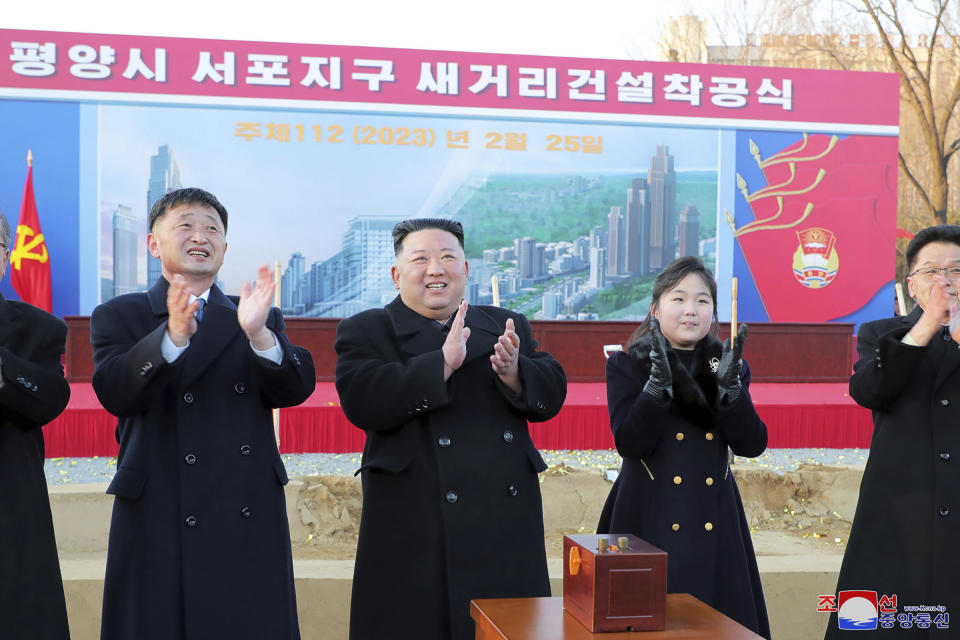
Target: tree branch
919	187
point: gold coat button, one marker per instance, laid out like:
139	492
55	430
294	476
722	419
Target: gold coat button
679	436
709	482
709	435
675	527
708	526
677	479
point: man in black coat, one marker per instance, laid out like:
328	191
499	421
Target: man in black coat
33	392
907	523
451	498
199	541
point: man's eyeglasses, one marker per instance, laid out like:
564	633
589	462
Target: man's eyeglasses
929	273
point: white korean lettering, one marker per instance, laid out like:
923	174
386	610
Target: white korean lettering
683	88
383	74
136	65
537	83
221	72
90	63
266	69
639	88
489	77
315	72
34	59
446	82
586	78
769	94
729	92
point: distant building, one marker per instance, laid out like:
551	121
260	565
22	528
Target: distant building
690	231
164	178
615	241
527	259
551	305
636	229
125	246
662	181
598	263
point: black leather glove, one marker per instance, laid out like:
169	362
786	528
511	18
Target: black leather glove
728	374
660	383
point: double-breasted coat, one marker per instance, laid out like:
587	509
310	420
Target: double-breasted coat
904	536
451	497
33	393
675	488
199	542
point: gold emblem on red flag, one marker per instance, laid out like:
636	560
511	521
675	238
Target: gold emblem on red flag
815	262
24	247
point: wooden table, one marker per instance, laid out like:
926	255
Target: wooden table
545	619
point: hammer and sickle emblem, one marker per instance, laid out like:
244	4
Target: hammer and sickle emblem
23	248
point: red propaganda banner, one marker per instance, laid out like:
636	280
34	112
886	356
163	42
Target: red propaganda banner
29	260
75	66
820	230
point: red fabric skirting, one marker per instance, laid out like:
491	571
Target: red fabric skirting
797	415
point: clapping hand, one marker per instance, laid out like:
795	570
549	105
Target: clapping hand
181	321
455	346
254	307
506	357
660	382
731	361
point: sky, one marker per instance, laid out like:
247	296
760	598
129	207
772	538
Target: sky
618	29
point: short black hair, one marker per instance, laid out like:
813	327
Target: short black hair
949	233
402	229
187	195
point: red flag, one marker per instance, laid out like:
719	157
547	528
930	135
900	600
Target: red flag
29	260
820	244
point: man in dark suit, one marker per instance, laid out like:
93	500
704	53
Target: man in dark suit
33	392
451	499
903	540
199	541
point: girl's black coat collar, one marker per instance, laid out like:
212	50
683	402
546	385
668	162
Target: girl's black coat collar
695	391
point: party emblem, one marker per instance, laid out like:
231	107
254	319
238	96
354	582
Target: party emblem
815	261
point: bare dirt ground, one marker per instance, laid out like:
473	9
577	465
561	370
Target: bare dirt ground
807	511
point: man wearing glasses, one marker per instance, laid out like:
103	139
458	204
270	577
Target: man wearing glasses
33	392
907	524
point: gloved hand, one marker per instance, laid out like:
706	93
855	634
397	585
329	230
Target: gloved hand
728	373
660	383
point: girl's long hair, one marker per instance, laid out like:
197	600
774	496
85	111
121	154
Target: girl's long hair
666	280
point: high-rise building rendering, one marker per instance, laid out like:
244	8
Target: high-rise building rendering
290	283
690	231
164	178
615	241
598	263
125	245
636	231
527	258
598	238
662	181
355	278
551	305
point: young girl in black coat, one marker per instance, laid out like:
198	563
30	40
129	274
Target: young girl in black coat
679	402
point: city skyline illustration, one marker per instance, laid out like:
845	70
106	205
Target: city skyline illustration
567	225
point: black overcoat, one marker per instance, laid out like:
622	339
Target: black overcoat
34	392
199	542
675	489
451	497
907	525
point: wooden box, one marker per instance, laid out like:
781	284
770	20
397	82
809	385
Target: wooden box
615	590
